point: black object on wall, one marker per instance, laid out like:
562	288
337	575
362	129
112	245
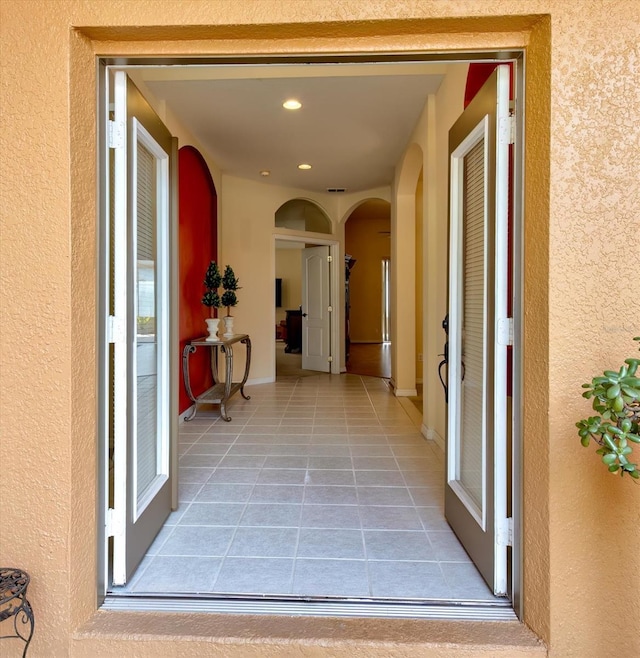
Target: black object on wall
294	332
278	292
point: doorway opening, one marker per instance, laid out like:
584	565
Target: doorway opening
307	333
368	243
354	392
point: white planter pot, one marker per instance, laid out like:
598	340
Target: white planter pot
212	328
228	325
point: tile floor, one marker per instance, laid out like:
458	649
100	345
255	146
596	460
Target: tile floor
319	487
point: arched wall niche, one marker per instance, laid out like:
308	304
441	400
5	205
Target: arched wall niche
371	207
303	215
367	241
198	240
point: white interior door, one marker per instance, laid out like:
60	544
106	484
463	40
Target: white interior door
142	401
476	487
316	309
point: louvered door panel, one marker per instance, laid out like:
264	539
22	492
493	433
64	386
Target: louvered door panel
146	340
472	421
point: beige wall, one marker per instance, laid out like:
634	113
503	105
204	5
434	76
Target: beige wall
419	246
403	268
447	105
581	526
247	237
289	269
246	220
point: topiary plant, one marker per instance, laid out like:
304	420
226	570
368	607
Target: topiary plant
616	398
230	285
212	281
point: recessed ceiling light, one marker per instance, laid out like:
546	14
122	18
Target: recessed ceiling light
292	104
265	172
304	166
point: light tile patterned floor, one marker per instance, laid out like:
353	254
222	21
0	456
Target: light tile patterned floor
319	486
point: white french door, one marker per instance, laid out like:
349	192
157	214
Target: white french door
316	304
479	329
142	402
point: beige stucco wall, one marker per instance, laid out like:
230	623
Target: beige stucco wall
581	526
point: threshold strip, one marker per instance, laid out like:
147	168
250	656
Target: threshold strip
445	610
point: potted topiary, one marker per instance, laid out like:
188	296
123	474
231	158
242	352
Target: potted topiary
229	297
616	398
211	298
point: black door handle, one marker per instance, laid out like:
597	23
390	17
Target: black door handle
445	360
304	315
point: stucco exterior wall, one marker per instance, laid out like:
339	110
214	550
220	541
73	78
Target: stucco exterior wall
581	527
594	203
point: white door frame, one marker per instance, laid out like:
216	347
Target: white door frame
337	280
516	54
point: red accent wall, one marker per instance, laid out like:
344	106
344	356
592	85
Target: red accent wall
477	75
198	245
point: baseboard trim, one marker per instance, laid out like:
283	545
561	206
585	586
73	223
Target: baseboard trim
405	392
260	380
187	412
431	435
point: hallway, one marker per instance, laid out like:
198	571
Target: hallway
370	359
320	486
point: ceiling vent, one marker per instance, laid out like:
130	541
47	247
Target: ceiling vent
336	189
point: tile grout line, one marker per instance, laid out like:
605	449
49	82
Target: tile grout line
364	543
324	397
235	530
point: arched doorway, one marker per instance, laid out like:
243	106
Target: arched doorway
367	289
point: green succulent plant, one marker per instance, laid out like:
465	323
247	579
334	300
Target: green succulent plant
616	398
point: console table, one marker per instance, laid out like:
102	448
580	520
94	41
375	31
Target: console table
220	392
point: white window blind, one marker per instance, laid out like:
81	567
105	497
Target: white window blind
472	430
146	347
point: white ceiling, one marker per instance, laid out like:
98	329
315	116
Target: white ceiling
353	127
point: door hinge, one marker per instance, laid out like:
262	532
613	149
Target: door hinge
505	331
507	130
329	259
330	309
116	134
115	330
504	532
330	359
